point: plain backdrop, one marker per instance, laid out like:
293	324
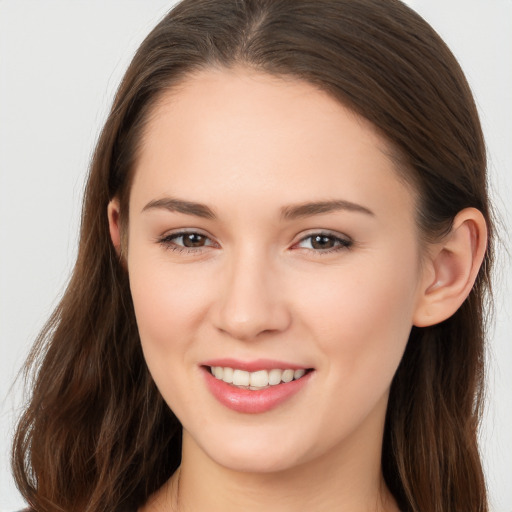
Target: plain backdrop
60	63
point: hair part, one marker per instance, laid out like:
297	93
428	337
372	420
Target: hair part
97	434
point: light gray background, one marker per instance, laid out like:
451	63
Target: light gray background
60	62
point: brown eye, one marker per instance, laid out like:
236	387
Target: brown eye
323	242
186	241
193	240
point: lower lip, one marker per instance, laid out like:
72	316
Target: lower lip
253	401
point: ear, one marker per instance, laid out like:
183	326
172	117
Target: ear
113	212
451	269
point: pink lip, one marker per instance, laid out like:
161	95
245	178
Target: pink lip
253	366
252	401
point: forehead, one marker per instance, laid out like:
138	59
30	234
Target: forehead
245	132
242	105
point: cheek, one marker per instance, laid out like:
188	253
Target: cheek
169	309
360	320
167	302
362	315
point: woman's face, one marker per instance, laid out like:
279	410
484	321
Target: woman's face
268	231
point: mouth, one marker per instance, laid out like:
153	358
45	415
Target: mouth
255	387
258	380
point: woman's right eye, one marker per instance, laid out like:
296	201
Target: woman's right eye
186	241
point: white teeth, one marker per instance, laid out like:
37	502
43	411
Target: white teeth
259	379
287	376
274	377
240	378
256	380
297	374
228	375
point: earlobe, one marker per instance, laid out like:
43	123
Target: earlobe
454	266
113	212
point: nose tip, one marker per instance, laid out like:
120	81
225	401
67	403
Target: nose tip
244	329
251	304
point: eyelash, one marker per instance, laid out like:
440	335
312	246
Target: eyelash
168	242
340	243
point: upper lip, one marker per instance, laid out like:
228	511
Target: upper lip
254	365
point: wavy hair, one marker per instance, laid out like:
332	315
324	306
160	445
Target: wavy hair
96	434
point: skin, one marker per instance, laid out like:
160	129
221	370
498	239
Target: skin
248	145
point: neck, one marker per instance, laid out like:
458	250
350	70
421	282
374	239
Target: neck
347	478
314	486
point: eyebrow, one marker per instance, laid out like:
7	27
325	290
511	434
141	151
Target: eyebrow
290	212
181	206
320	207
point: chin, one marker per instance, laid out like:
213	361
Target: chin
254	452
248	462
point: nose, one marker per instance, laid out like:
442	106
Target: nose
251	299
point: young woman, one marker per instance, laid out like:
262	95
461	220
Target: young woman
278	299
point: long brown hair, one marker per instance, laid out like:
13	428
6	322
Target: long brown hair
96	434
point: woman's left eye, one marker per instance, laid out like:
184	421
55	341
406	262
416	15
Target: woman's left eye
324	242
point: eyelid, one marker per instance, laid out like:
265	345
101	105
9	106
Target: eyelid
344	241
167	240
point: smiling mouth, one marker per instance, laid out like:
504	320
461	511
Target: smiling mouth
260	379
